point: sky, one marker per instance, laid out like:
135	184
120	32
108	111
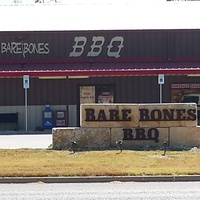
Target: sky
8	2
99	15
180	3
30	2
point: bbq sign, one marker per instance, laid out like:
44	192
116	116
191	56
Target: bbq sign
97	46
80	46
139	121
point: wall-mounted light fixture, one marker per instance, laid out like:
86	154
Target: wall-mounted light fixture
77	77
193	75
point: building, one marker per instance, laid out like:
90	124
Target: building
70	66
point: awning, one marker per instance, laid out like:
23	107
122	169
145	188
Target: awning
101	69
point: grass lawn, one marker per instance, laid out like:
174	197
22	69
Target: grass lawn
41	162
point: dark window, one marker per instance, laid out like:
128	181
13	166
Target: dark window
190	99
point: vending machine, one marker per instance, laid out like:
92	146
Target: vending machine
47	117
60	118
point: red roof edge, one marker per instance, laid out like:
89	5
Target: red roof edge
111	72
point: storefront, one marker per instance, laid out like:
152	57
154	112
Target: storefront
68	68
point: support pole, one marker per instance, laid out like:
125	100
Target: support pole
26	108
160	93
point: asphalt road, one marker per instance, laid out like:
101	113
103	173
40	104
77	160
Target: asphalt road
102	191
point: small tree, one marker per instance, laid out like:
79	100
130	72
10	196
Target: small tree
39	1
17	1
47	1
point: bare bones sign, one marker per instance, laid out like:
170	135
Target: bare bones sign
139	121
79	45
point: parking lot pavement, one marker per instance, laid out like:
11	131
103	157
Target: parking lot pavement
25	140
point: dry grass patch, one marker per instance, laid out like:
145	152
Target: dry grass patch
26	162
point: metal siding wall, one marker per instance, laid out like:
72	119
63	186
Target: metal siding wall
34	117
184	44
146	44
47	92
135	89
72	115
41	92
34	93
12	92
56	92
72	92
132	89
2	89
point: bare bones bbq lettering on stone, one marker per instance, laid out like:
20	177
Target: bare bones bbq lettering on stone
141	134
144	115
167	114
139	122
114	115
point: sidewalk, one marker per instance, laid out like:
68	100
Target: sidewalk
25	132
29	139
100	179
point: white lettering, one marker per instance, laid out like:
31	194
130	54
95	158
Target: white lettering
3	48
18	48
24	48
114	48
97	45
46	48
31	48
78	48
115	54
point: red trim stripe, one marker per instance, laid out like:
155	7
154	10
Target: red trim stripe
111	72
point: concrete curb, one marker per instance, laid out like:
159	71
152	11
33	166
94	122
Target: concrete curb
25	132
100	179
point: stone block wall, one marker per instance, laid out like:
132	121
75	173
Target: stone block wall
138	125
92	138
